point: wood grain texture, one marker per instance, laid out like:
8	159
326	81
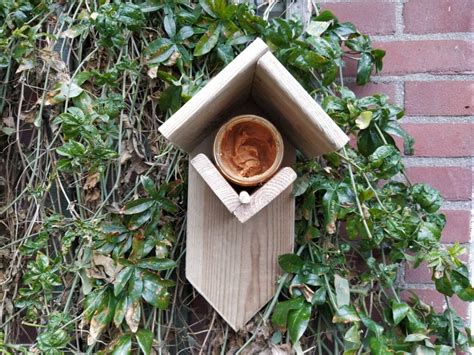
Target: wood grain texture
266	194
242	206
296	113
192	122
235	265
218	184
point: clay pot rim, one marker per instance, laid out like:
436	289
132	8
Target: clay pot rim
256	179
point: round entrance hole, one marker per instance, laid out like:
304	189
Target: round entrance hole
248	150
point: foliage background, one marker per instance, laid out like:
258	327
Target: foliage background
93	198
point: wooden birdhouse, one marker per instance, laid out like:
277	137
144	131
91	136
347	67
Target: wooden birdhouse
235	232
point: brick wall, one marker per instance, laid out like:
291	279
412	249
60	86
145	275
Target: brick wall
428	69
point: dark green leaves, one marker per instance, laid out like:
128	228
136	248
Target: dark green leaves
138	206
428	198
386	161
346	314
156	264
341	286
113	19
122	279
154	291
293	315
364	68
290	262
208	40
369	57
123	345
399	311
145	340
298	321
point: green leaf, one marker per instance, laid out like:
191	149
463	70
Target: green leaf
8	130
364	68
331	207
184	33
159	50
427	197
341	285
353	336
298	320
290	263
138	206
69	90
443	285
364	119
386	161
135	285
301	185
378	346
92	302
120	310
394	128
225	53
316	28
156	264
154	292
415	337
399	312
280	313
373	326
139	219
414	324
170	99
122	279
327	16
148	184
145	340
346	314
319	297
428	233
208	40
123	345
369	140
170	25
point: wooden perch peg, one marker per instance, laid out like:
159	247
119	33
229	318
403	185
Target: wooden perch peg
244	197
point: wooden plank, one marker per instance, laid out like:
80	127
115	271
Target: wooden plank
266	194
296	113
234	265
216	182
190	124
238	204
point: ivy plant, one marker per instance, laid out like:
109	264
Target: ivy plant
93	198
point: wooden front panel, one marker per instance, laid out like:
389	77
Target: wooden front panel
235	265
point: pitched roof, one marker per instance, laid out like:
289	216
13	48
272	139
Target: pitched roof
256	73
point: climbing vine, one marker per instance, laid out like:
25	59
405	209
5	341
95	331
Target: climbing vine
93	198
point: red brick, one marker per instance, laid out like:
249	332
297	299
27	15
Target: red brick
373	88
442	139
427	56
436	300
457	227
439	98
422	274
454	183
368	16
427	16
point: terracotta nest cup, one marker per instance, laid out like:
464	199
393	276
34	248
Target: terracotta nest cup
248	150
